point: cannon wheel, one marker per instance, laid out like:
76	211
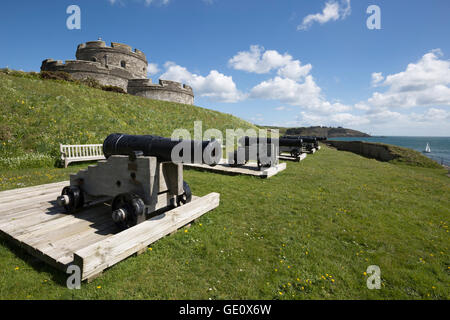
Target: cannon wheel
186	197
132	207
76	199
267	165
295	153
259	165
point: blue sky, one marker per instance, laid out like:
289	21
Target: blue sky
287	63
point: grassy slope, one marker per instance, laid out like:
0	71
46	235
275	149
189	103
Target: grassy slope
411	157
401	155
329	216
38	115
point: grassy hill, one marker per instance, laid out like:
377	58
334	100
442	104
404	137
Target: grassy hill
37	115
309	232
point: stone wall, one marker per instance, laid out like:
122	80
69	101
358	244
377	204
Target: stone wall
86	69
366	149
165	90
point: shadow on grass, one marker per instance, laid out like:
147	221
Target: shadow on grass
58	276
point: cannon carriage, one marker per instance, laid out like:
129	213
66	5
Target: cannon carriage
262	150
140	176
310	143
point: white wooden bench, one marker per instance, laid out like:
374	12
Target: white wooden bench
80	152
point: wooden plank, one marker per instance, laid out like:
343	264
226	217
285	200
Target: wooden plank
274	170
64	249
299	158
34	252
44	230
24	201
91	224
28	219
48	233
99	256
32	194
34	205
250	169
30	189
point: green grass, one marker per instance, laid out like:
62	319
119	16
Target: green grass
410	157
329	216
37	115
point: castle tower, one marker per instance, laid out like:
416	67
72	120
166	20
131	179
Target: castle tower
117	55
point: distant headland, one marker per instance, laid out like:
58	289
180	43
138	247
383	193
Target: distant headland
319	131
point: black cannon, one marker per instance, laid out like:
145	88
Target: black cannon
141	175
263	150
309	142
289	145
208	152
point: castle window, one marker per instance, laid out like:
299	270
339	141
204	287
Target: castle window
123	64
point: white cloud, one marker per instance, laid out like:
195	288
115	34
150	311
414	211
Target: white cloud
294	70
305	94
162	2
332	11
153	69
146	2
432	115
215	85
377	77
307	118
258	60
293	84
424	83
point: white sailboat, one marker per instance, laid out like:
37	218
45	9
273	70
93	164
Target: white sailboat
427	148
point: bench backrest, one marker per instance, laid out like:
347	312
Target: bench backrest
81	151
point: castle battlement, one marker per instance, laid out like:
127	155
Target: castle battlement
100	45
166	85
164	90
81	65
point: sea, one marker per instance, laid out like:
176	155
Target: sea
440	146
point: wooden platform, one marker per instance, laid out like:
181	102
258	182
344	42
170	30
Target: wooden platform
250	169
291	158
30	218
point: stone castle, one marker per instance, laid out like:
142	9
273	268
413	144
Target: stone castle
121	66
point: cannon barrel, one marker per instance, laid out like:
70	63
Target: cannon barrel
160	147
282	142
306	139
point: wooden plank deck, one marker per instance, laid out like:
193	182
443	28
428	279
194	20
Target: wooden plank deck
290	158
250	169
30	218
